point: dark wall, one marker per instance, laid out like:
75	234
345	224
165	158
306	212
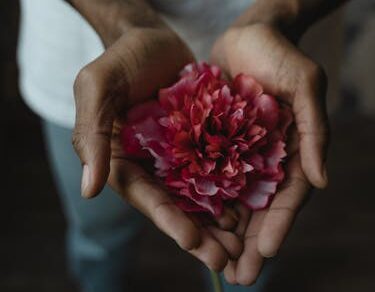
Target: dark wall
9	14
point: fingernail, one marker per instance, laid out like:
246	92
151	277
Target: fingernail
270	255
85	181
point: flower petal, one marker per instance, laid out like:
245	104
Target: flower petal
268	111
212	140
131	144
247	87
258	194
275	155
204	186
200	204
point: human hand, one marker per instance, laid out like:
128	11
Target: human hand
263	52
132	69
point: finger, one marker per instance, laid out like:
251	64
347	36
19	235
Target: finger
228	220
96	97
312	124
250	262
287	73
230	272
104	88
283	209
244	215
131	181
231	242
210	252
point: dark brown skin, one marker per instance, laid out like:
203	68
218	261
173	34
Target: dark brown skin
262	45
300	83
142	55
134	66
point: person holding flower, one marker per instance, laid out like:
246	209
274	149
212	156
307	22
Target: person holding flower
122	56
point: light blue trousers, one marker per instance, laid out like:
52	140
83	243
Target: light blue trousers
101	235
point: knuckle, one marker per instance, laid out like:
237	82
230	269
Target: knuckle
77	142
87	77
102	84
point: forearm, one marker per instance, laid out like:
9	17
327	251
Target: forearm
111	18
293	17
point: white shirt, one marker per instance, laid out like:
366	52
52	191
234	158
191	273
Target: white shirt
56	42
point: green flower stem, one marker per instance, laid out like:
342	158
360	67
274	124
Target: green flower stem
216	282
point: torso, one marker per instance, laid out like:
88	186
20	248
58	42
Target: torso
55	42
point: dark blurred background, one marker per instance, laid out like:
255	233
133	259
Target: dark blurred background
331	247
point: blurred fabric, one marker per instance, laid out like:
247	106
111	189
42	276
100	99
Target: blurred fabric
329	249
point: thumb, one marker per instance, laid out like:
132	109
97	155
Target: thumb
312	126
116	80
96	97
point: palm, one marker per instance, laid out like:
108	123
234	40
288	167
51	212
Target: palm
129	72
264	231
210	244
284	72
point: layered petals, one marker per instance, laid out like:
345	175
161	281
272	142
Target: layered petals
211	140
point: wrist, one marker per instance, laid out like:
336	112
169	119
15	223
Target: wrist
278	13
282	15
290	17
112	18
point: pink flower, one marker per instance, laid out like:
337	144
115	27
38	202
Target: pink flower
212	140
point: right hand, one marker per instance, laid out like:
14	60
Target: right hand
130	71
263	52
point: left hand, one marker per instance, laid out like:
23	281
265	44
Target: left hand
263	52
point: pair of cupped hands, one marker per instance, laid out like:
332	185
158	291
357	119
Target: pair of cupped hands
140	62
